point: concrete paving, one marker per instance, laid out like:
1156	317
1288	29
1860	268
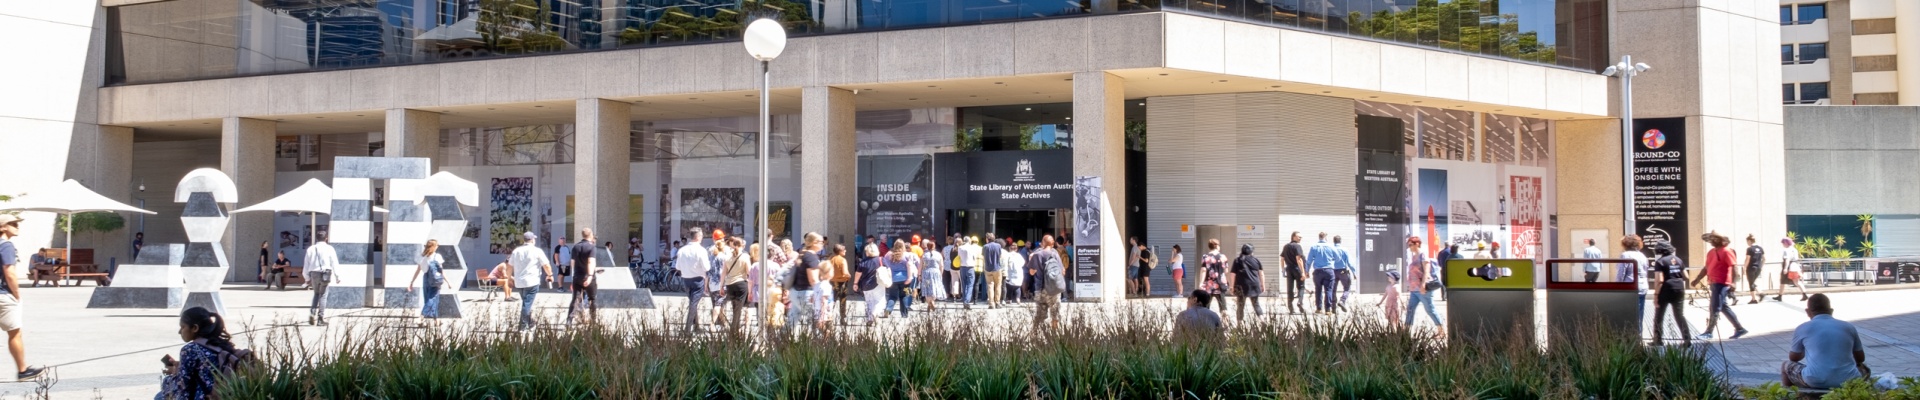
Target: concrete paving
114	353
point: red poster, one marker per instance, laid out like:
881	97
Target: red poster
1527	215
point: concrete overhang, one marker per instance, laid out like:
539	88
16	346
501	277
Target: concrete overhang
1156	53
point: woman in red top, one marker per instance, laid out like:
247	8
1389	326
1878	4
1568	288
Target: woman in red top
1720	273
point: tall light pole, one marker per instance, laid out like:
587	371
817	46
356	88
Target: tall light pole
1626	70
765	38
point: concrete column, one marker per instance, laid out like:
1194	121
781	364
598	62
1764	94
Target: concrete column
102	159
1588	165
826	156
600	168
1099	149
1906	28
246	155
413	133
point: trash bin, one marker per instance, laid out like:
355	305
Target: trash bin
1573	304
1489	297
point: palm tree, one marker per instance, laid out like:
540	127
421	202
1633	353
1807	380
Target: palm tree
1866	248
1839	242
1866	225
1814	247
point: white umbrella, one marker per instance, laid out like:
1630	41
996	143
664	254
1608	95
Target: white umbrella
312	197
70	197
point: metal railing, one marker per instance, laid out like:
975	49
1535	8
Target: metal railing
1860	271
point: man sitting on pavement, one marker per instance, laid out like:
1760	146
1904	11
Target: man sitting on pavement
1198	322
1826	352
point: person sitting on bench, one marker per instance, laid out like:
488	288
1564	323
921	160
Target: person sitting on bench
1826	351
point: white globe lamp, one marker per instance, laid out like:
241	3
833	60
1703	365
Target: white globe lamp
765	39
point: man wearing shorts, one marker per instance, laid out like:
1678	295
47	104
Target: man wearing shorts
12	315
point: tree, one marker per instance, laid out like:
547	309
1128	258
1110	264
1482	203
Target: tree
1866	225
90	222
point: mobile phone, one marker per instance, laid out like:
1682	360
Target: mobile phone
168	360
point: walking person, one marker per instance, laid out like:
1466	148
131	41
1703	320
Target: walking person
1177	264
905	269
1344	271
1753	259
530	270
277	275
1671	273
1321	256
586	273
1390	299
432	277
967	256
1592	252
12	314
562	259
1246	281
266	261
1638	273
734	280
1014	265
805	276
1294	257
868	279
1420	285
931	287
1051	283
207	356
1214	266
1720	274
995	277
719	253
1789	270
320	260
692	262
842	280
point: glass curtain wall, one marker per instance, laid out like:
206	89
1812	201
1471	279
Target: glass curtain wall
1569	33
198	39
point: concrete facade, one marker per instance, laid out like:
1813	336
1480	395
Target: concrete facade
600	168
1100	150
826	121
246	155
1853	160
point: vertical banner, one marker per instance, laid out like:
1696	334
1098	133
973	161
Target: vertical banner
1660	181
1527	215
1382	210
1086	239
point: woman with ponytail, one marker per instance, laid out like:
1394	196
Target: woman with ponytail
209	352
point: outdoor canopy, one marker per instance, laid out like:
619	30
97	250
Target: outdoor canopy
311	197
69	197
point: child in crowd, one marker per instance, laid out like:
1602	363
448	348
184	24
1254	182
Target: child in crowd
1390	300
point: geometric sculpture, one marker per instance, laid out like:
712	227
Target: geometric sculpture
441	196
151	281
204	265
352	227
407	228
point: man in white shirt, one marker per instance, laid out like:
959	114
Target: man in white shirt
968	255
692	262
319	263
1789	270
1826	352
1592	252
528	278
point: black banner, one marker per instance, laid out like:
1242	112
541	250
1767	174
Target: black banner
1382	210
1660	182
1086	270
896	197
1029	180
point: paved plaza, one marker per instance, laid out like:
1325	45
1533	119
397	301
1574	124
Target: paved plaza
114	353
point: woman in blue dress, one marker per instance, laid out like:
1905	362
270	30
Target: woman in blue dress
207	354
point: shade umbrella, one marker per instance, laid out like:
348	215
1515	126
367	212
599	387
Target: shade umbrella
69	197
312	197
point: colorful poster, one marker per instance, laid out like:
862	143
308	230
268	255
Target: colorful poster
713	209
1527	215
512	213
780	217
1433	207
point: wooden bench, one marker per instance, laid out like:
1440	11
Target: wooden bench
296	276
71	265
483	277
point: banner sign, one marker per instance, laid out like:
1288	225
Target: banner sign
896	196
1382	210
1019	179
1527	216
1087	235
1660	182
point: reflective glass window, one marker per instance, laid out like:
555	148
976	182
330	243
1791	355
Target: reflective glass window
1786	54
1811	92
1812	12
1786	93
1812	51
1560	32
1786	14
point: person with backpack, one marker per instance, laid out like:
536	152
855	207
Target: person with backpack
871	279
1421	282
1247	281
208	354
1051	283
431	278
1215	265
1672	275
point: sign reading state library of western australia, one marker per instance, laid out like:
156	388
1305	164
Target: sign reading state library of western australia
1024	180
1660	181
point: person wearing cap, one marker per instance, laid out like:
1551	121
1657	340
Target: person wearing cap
524	259
1789	270
11	315
320	260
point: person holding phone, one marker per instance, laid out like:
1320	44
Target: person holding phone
209	350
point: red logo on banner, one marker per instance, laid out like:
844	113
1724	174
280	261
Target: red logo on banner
1526	215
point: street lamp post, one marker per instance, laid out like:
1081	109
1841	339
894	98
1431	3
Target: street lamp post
764	40
1626	70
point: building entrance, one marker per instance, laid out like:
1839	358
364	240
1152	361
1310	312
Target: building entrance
1019	224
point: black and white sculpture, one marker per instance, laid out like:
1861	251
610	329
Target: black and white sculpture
205	264
352	228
